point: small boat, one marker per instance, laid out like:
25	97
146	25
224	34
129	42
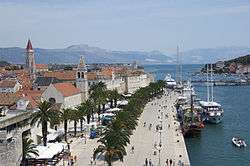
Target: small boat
238	142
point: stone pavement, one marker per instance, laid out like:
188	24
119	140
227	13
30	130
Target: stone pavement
146	141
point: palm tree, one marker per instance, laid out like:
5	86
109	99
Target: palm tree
109	151
129	120
65	117
75	116
86	108
117	134
29	148
43	116
113	96
99	95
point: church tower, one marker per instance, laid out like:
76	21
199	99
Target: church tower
30	59
81	79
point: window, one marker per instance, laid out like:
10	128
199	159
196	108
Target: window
78	75
52	100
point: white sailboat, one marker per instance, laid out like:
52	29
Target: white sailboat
212	110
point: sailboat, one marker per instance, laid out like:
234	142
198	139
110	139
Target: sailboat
213	111
192	123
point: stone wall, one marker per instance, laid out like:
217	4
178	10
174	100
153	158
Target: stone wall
11	149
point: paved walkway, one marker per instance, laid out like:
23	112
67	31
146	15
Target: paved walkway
146	141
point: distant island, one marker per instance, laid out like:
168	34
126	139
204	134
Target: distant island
240	65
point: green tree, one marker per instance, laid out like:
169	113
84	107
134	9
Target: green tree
43	116
65	117
75	116
87	109
109	151
113	96
29	149
99	95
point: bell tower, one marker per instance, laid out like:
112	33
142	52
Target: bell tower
81	79
30	64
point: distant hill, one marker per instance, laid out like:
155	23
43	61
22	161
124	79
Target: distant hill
212	55
72	54
224	66
245	60
4	63
91	54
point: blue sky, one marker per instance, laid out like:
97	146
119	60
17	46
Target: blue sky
126	24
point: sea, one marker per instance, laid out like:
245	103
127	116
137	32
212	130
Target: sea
214	147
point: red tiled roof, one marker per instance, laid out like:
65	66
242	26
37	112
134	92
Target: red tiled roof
69	75
41	66
24	79
67	89
34	97
7	83
91	75
29	45
8	99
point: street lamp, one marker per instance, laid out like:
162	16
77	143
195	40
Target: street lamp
159	149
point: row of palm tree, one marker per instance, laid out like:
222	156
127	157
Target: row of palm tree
99	95
116	136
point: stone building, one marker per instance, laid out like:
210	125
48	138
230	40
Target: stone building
9	86
14	125
30	64
64	93
82	80
41	67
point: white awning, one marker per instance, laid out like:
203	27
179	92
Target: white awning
49	151
113	110
122	102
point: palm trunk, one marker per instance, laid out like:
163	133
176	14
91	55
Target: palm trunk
99	112
81	123
88	118
115	102
111	103
75	125
92	116
44	132
65	130
103	107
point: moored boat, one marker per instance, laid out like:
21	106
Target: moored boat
212	111
170	82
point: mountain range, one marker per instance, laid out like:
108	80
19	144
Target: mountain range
72	54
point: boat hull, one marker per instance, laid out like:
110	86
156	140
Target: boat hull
214	119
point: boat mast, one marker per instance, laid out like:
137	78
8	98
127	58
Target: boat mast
212	84
178	67
208	99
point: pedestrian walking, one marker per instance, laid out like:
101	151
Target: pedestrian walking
91	160
150	162
146	162
170	162
144	124
155	145
132	149
75	158
167	162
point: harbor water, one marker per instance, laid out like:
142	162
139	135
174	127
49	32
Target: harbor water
214	146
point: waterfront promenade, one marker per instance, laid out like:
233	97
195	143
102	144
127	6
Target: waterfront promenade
144	140
157	146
